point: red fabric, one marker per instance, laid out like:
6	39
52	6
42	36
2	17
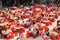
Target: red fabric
22	30
45	28
51	37
38	20
47	23
29	34
59	13
58	24
26	26
53	9
41	33
34	36
38	6
58	36
9	36
9	20
52	20
48	13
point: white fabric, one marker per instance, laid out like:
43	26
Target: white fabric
13	11
20	21
43	24
26	19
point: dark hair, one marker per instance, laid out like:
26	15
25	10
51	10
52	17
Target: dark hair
58	28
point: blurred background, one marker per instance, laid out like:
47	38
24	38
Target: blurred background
8	3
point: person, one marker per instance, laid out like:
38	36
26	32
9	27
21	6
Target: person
0	31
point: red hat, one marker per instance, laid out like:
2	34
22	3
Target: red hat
22	10
16	34
38	6
26	26
22	30
48	13
19	10
10	35
34	36
59	13
45	28
29	34
54	29
58	36
53	9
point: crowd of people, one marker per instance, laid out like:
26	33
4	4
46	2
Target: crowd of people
31	21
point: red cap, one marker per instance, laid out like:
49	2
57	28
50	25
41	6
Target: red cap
22	30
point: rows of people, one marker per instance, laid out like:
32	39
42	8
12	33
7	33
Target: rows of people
30	21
